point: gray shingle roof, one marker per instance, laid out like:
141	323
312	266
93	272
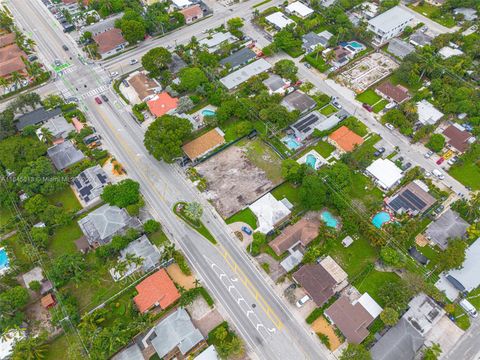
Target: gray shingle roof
298	101
239	58
400	48
448	226
176	330
142	248
58	127
132	352
36	117
274	82
64	155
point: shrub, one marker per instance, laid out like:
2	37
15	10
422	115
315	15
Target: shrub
35	285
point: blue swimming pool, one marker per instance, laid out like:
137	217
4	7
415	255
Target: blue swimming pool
208	112
311	161
291	142
356	45
380	218
3	259
329	219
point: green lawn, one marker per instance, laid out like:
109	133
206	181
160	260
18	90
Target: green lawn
287	190
63	239
5	216
246	215
356	126
317	61
369	97
263	157
63	344
15	245
65	198
431	253
328	110
364	153
474	298
365	190
324	148
158	238
468	174
198	226
374	281
435	13
461	318
379	106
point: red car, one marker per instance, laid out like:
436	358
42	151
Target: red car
441	160
367	107
98	101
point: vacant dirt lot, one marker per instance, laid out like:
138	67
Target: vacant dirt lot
187	282
323	327
239	175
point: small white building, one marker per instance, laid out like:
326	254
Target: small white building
299	9
279	20
427	113
389	24
213	42
181	4
385	173
269	212
447	52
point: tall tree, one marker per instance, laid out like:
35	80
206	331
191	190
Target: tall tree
156	60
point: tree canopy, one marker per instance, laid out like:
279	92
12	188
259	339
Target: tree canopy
126	192
156	60
286	69
165	136
436	142
191	78
17	151
313	192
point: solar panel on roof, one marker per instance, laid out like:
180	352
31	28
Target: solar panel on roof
102	178
86	190
77	183
396	204
304	124
419	203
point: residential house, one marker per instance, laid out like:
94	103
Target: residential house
390	92
175	336
448	226
213	42
466	277
36	117
131	352
300	101
89	184
58	128
306	125
143	87
400	48
276	84
322	279
177	64
192	13
101	224
389	24
369	10
11	57
299	9
420	39
181	4
353	316
156	290
427	113
48	301
458	138
161	104
312	40
204	144
238	77
422	325
103	25
341	56
447	52
110	42
468	13
209	353
412	199
302	232
64	155
278	20
385	173
344	140
238	58
269	212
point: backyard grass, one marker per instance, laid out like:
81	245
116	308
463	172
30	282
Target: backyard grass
5	215
364	153
324	148
468	174
434	13
461	318
317	61
379	106
67	199
363	188
431	253
63	239
373	282
328	110
246	215
369	97
287	190
62	345
356	126
262	156
158	238
474	298
13	244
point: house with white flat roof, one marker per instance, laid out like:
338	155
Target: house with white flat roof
299	9
279	20
447	52
213	42
269	212
385	173
236	78
389	24
427	113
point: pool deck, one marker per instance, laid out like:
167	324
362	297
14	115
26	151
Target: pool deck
320	159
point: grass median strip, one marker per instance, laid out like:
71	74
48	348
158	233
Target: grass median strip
196	225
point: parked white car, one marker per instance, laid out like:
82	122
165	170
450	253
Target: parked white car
468	307
302	301
389	126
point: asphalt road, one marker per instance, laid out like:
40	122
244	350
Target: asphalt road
241	292
468	347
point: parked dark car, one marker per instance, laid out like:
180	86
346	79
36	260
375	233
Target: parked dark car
367	107
407	166
247	230
104	98
65	47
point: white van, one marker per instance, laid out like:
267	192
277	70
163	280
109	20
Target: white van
302	301
438	174
468	307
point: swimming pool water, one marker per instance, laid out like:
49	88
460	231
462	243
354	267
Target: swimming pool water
380	218
291	143
208	112
355	45
311	161
329	219
3	259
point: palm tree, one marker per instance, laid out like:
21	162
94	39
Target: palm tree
30	348
4	83
17	77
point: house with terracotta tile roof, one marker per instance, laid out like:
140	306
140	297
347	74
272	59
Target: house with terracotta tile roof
110	42
7	39
12	60
162	104
142	87
156	290
344	139
303	231
392	92
204	144
458	138
192	13
48	301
